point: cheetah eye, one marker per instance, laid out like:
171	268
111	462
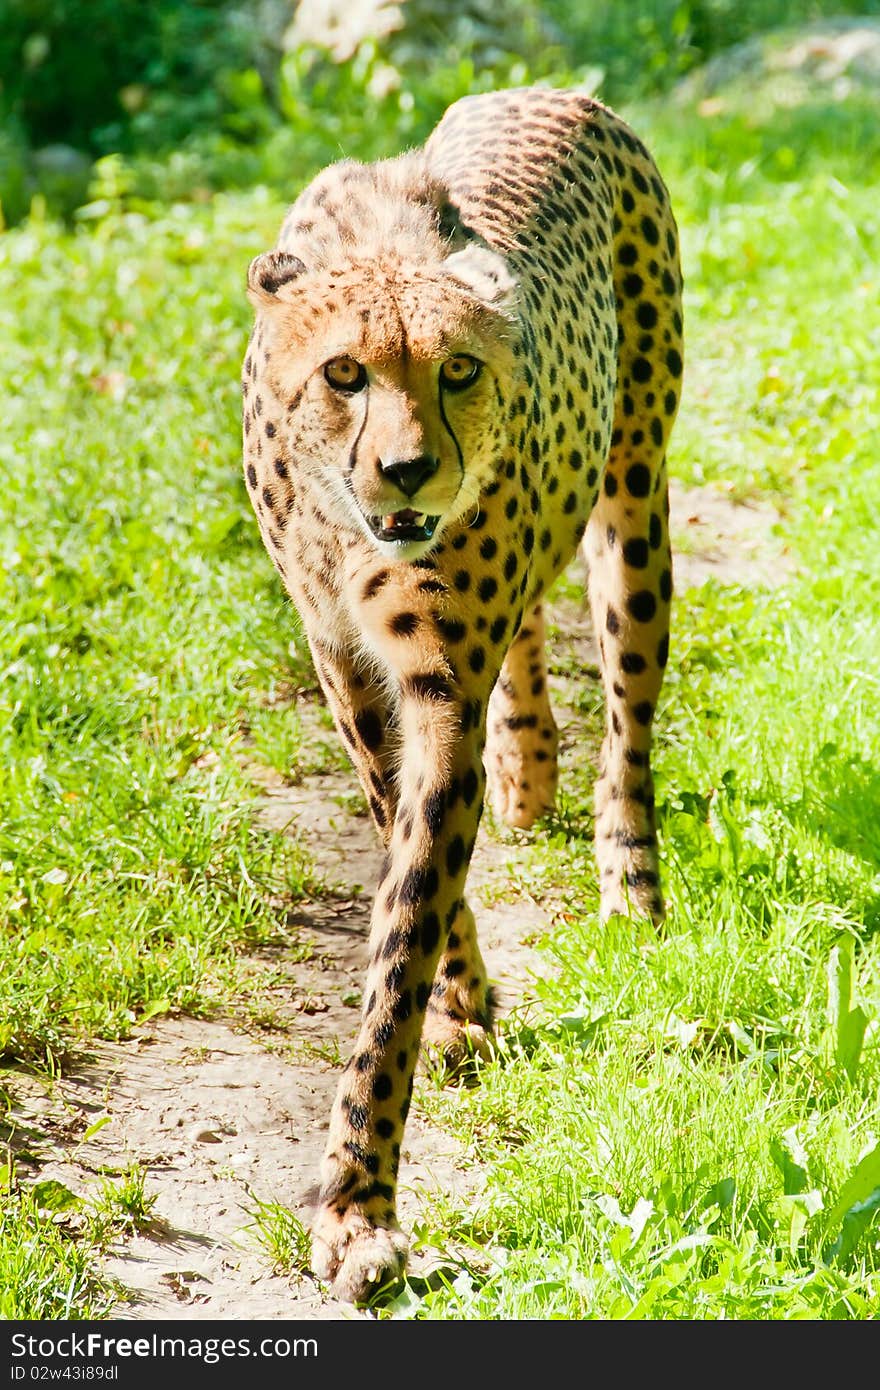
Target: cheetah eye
460	371
345	374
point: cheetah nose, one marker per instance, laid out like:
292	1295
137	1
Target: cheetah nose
409	474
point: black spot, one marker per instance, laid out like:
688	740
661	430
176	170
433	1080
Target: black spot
632	663
633	285
643	711
384	1127
430	933
655	531
476	659
646	315
498	629
427	685
642	605
612	621
454	855
662	651
404	624
642	370
393	942
635	758
635	552
469	786
251	476
369	726
666	586
673	362
638	480
488	588
434	807
610	484
382	1086
412	887
462	581
488	547
635	878
452	629
375	583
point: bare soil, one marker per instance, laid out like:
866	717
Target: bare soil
225	1113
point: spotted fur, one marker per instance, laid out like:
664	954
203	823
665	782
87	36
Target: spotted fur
532	236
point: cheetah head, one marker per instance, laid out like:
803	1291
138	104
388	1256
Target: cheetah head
393	378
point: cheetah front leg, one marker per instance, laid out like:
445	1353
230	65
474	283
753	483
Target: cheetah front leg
521	735
520	762
361	714
357	1242
628	553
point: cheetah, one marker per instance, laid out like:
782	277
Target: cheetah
466	362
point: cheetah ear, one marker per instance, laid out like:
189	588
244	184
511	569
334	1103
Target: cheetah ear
269	273
484	274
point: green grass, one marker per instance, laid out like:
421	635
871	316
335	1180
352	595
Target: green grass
50	1239
139	625
689	1128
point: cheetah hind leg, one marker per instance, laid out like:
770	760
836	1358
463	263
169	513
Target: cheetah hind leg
521	735
458	1018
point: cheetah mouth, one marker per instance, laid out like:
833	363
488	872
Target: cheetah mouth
405	525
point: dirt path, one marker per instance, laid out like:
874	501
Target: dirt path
221	1117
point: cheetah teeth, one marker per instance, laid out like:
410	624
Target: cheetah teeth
402	526
405	518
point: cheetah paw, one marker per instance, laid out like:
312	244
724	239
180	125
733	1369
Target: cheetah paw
521	790
354	1256
455	1045
634	906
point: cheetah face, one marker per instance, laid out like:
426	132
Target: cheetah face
394	380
